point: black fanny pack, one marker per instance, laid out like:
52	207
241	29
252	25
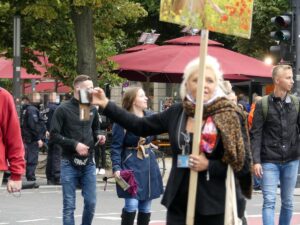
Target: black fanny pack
79	161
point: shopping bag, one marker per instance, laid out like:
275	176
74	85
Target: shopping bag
231	215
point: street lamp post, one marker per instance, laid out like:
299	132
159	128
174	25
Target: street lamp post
17	62
296	11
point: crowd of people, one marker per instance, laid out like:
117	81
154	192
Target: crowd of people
255	145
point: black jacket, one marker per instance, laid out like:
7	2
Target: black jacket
68	130
210	194
32	126
51	107
276	138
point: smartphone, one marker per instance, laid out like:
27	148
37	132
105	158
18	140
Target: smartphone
85	96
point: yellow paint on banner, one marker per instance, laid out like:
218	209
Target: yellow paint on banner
233	17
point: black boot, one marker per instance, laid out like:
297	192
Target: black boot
143	218
127	218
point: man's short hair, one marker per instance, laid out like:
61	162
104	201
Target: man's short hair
26	98
81	78
277	69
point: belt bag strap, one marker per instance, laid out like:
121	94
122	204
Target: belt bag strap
141	149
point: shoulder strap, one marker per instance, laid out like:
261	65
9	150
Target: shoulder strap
296	102
265	106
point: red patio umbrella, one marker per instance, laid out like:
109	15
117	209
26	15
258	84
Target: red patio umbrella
6	70
140	48
166	63
47	86
190	40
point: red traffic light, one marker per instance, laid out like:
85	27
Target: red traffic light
282	21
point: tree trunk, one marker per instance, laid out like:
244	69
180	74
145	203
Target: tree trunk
86	53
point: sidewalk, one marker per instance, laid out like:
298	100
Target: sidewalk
41	177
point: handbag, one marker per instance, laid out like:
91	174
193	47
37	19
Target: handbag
231	215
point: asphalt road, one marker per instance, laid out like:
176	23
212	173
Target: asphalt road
43	206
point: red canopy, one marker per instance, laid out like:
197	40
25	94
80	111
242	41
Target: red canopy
140	48
190	40
48	86
6	70
166	63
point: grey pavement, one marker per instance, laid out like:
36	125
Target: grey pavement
42	181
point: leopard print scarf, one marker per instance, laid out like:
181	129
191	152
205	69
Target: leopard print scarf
226	119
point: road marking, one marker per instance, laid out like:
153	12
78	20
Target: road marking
108	218
27	221
259	215
104	214
257	219
50	192
157	221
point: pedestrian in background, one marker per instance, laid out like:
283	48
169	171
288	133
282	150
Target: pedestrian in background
24	104
33	134
100	149
76	137
243	102
54	150
256	99
224	143
11	145
275	143
256	180
131	152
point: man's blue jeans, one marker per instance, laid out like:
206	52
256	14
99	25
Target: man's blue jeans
286	173
132	205
70	178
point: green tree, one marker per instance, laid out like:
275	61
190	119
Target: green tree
260	41
72	34
257	46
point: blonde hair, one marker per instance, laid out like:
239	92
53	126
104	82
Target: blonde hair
227	87
193	67
278	69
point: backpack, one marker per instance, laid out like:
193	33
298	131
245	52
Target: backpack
265	105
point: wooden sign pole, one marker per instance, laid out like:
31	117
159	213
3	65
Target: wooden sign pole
197	128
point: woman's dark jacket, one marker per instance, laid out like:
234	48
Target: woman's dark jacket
210	194
146	171
68	130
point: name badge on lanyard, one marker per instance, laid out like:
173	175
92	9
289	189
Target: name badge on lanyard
183	158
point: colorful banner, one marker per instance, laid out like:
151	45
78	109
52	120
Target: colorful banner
232	17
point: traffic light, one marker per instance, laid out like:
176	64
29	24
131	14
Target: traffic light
284	36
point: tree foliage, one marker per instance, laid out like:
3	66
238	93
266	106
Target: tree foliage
260	41
257	46
49	28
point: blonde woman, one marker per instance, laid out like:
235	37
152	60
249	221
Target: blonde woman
224	143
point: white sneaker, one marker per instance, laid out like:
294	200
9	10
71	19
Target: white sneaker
101	171
97	171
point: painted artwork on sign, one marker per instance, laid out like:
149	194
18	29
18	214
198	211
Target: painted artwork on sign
232	17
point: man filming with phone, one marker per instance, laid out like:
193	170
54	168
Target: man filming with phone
75	126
